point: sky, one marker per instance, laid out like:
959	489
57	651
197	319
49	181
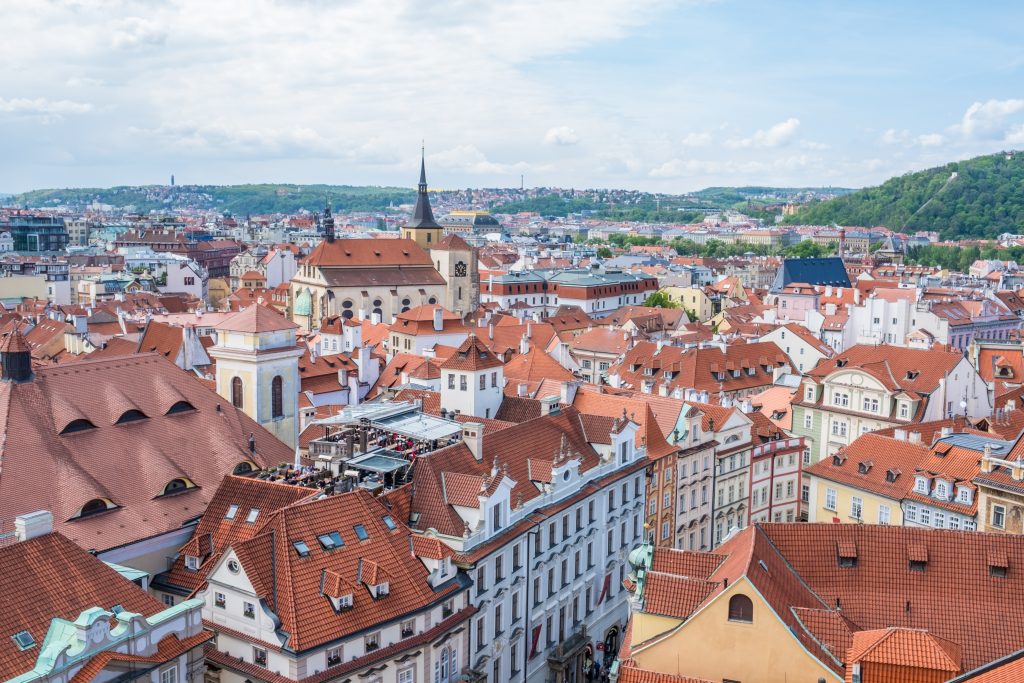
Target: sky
653	95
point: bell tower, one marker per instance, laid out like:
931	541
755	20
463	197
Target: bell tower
423	228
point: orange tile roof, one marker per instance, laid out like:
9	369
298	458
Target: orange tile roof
905	648
534	366
51	577
291	584
472	356
215	532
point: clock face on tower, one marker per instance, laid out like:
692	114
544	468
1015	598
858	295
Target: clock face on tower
460	269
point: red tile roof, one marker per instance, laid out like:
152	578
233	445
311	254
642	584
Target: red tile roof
216	531
472	356
50	577
129	463
291	585
368	252
257	318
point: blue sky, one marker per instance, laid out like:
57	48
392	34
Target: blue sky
649	94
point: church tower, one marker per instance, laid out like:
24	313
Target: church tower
423	228
258	368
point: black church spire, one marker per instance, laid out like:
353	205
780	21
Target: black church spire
423	215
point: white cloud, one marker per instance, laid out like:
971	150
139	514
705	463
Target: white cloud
777	135
696	140
561	135
83	82
930	140
136	32
471	160
41	105
989	119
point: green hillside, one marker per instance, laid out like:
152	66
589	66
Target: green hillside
980	197
234	199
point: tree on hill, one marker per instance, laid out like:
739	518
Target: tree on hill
978	197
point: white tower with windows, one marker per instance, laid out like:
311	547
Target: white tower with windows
258	368
472	380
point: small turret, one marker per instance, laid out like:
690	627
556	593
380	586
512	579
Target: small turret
15	358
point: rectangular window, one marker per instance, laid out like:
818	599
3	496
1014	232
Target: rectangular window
499	570
883	514
219	600
494	379
249	610
333	656
169	675
856	507
808	420
451	380
407	676
498	628
259	656
408	628
516	552
515	607
481	580
481	638
462	383
998	516
805	493
830	499
551	581
483	382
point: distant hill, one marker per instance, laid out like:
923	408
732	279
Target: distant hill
238	200
980	197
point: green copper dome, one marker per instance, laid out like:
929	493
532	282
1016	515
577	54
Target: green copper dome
304	303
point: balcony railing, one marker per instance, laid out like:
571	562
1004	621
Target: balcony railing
778	445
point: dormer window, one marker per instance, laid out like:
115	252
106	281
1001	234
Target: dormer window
864	467
178	485
963	495
904	410
130	416
79	425
942	490
381	590
809	395
921	485
191	563
892	475
912	374
180	407
751	371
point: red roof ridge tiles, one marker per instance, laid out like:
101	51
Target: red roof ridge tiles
471	356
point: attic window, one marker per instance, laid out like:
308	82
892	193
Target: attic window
24	640
841	363
892	475
301	549
917	556
864	467
912	374
131	415
177	485
232	511
847	554
79	425
244	467
361	532
253	514
330	541
838	459
998	564
95	506
178	407
389	522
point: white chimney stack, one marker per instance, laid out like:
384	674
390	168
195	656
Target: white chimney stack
33	524
473	437
438	319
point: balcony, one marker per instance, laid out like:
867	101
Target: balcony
778	445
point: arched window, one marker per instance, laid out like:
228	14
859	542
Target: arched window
176	485
244	467
78	425
276	397
741	608
95	506
236	392
130	415
180	407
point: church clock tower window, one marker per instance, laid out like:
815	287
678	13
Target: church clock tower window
276	398
460	269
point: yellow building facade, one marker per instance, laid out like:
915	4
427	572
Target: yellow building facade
709	645
693	299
